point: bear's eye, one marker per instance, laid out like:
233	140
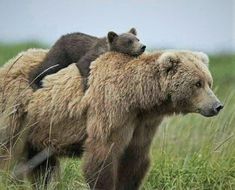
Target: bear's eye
198	84
210	85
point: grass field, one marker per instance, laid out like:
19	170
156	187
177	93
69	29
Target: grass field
189	152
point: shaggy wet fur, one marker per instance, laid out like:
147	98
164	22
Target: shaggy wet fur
15	94
116	119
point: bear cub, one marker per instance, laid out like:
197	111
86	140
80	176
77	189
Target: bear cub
82	49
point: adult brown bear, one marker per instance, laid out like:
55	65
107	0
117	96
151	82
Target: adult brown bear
119	114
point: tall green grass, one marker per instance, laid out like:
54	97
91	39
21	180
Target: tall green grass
189	152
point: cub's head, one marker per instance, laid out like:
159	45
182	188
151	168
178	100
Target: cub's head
188	82
126	43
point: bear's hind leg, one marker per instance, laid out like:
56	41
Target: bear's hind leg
44	173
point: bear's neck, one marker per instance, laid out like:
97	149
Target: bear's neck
162	108
102	44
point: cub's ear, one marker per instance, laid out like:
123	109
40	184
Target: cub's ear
133	31
168	61
203	57
111	36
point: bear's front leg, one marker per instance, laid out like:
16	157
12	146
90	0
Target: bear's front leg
135	161
101	159
99	167
83	66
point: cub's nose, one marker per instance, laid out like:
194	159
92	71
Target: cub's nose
143	48
217	107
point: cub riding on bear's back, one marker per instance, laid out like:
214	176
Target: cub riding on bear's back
82	49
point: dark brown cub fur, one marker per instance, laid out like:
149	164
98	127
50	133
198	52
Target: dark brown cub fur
83	49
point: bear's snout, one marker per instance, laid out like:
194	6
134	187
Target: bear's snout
213	110
143	48
217	107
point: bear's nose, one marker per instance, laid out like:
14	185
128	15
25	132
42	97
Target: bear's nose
218	107
143	48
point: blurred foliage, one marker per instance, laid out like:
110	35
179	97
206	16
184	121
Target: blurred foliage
7	51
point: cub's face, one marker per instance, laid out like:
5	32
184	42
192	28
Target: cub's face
190	83
126	43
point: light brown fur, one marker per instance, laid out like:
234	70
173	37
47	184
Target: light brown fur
15	94
119	113
56	121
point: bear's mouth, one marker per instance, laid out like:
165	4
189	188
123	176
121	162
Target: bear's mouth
137	54
208	113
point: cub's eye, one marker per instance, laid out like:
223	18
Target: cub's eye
198	84
129	42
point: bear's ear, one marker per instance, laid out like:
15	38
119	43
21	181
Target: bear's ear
111	36
169	61
203	57
133	31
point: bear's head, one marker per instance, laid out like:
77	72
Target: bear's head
187	82
126	43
